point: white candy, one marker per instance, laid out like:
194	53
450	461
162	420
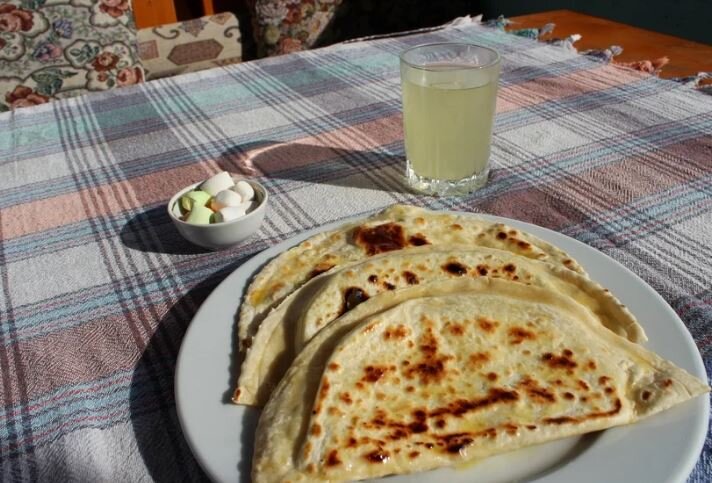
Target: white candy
244	189
219	182
227	198
229	213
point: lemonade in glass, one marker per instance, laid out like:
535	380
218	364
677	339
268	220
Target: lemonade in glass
449	95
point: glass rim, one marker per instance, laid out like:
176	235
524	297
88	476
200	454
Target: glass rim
496	60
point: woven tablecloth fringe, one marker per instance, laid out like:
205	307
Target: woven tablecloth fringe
457	22
701	81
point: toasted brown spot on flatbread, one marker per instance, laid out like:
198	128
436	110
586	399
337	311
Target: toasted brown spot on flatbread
535	391
333	458
377	456
517	335
345	397
487	325
333	366
373	278
352	297
455	268
479	358
418	240
492	376
431	367
315	429
418	426
389	286
410	278
413	454
523	245
510	268
569	396
559	362
502	235
456	442
380	238
495	396
456	329
374	373
398	332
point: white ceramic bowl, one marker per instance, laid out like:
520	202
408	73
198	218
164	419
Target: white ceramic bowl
218	236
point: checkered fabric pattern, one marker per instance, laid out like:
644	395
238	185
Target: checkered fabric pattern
98	287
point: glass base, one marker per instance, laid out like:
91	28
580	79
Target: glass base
445	187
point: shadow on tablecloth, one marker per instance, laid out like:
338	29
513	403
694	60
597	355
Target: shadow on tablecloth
378	169
160	440
152	230
158	434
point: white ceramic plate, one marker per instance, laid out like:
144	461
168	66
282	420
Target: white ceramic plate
663	448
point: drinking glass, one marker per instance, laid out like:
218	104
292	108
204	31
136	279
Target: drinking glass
449	95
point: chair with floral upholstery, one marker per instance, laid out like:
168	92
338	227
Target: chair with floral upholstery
52	49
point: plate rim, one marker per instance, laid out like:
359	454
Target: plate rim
687	462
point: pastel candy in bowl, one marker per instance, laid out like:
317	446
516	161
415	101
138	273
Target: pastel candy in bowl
220	220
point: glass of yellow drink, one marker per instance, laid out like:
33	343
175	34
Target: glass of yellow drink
449	96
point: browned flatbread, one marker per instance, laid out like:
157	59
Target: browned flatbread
487	366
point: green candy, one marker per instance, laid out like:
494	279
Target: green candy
200	215
193	198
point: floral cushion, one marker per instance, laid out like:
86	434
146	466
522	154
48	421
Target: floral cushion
284	26
51	49
190	46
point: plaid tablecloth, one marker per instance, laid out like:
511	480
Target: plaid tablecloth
98	287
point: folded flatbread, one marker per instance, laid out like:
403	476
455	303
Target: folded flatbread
435	381
395	228
323	299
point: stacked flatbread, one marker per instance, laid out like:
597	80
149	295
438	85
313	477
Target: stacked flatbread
414	339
